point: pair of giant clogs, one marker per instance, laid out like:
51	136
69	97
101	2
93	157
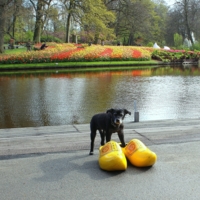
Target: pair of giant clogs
112	157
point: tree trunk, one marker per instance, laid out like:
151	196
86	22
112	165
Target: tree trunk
17	5
70	9
130	39
13	28
38	23
96	38
68	28
2	23
187	23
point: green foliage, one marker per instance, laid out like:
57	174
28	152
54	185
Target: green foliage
50	38
175	55
150	44
6	38
19	37
196	46
29	35
96	20
145	19
178	40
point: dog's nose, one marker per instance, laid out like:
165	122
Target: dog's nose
117	121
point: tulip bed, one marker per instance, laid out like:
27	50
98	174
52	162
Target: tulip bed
78	53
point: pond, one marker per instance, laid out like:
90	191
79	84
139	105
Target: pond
32	100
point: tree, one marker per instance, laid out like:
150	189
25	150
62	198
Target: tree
184	19
16	9
135	19
38	22
159	23
54	26
70	8
90	15
41	10
185	9
96	19
178	40
3	8
19	21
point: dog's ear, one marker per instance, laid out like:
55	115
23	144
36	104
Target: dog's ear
127	112
110	111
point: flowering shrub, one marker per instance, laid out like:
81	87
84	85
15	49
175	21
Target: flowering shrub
73	52
175	55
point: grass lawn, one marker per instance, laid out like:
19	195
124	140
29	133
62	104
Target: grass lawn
15	51
19	50
77	64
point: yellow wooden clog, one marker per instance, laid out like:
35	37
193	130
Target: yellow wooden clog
138	154
111	157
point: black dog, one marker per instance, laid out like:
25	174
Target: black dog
108	123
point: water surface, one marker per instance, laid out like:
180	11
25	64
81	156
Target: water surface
62	98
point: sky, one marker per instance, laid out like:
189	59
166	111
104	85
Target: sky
170	2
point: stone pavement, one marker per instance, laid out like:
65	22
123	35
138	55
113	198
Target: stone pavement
19	141
53	163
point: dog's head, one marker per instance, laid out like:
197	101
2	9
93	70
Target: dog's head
118	115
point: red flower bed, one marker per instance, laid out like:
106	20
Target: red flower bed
136	54
64	55
106	52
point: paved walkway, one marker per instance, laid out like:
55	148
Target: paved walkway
53	163
47	139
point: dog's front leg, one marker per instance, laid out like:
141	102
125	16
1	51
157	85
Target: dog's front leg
121	138
102	134
92	137
108	136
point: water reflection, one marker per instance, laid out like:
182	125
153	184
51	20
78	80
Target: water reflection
63	98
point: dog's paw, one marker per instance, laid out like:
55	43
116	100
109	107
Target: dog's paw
121	145
91	153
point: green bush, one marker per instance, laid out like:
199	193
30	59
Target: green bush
196	46
6	39
178	40
50	38
150	44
